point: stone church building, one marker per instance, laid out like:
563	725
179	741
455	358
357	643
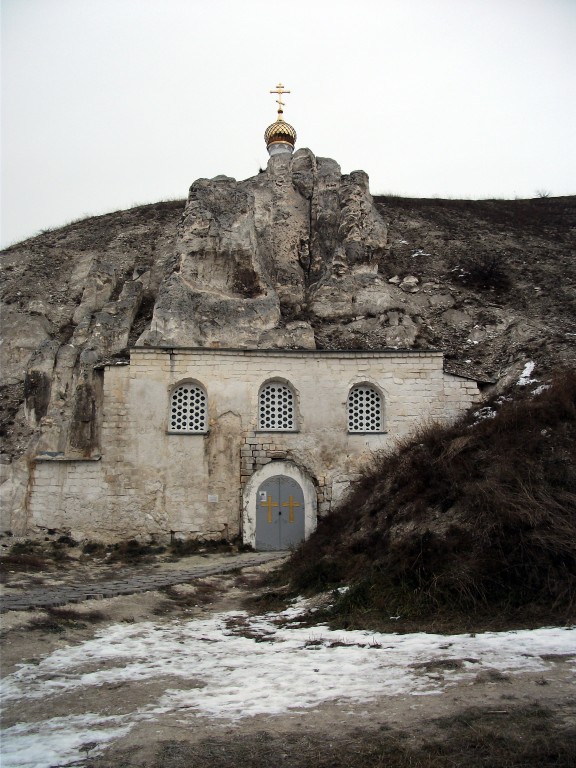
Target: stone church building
219	443
227	421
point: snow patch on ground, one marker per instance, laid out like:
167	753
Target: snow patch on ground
59	741
247	666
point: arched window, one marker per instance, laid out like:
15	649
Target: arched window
365	409
188	409
276	408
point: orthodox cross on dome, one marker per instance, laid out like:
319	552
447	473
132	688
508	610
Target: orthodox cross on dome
280	137
280	91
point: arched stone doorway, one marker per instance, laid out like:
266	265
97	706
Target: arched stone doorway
279	507
279	514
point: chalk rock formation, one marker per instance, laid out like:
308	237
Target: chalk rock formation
251	256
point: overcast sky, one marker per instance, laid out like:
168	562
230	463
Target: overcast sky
111	103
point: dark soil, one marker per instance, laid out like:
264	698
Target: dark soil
516	256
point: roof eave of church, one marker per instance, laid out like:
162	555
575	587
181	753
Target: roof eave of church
276	351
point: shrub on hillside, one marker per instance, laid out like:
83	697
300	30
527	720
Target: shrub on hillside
476	515
485	271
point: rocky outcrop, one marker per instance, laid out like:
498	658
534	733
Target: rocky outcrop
250	256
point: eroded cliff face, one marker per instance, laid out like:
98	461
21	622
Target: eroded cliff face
299	239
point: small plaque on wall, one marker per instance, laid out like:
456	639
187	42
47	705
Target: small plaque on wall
213	498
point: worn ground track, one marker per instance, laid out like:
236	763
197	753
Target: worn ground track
49	597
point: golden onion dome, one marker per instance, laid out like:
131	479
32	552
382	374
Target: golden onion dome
280	131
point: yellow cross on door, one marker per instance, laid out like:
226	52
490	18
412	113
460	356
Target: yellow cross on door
269	504
291	504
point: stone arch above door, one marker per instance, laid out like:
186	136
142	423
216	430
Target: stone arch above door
250	498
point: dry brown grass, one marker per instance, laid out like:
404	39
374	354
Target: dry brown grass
471	519
521	737
59	619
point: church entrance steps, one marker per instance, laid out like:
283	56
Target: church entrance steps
50	597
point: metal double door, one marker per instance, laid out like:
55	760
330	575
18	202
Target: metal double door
279	514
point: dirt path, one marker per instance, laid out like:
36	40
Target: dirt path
96	586
91	684
37	617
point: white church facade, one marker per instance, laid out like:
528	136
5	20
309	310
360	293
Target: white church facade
225	444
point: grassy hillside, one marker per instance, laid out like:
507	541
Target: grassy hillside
470	524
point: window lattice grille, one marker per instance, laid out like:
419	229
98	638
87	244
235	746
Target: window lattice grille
364	410
188	411
276	407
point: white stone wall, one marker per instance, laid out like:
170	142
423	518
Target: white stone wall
67	495
149	481
458	390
